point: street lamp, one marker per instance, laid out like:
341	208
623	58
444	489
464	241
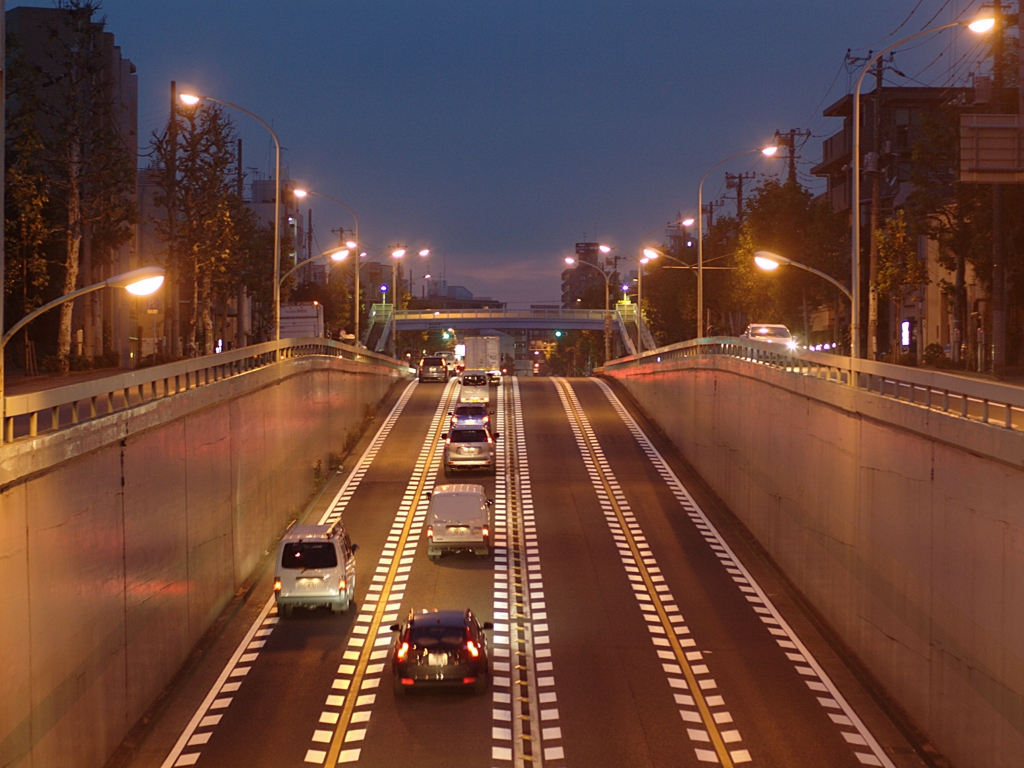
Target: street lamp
979	25
190	100
397	254
337	255
138	282
350	244
607	309
769	262
767	152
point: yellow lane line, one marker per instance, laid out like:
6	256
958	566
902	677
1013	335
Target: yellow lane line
691	679
364	656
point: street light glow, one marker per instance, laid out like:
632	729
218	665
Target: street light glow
145	286
982	24
769	151
570	260
300	193
351	244
687	222
339	255
425	252
398	253
650	253
604	249
190	99
766	263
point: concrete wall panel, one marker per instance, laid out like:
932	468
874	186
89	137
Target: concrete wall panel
903	526
122	539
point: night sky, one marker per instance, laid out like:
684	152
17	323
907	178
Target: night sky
501	133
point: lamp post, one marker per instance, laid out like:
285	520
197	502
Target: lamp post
978	25
351	245
649	255
607	310
767	152
769	262
138	282
191	100
397	254
336	255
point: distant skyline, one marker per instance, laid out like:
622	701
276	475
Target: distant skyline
499	134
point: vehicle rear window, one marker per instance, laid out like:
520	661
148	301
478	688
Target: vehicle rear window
309	554
474	381
434	361
775	333
470	410
436	637
468	436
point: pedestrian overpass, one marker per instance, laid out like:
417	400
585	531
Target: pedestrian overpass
621	322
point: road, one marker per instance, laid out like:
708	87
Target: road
635	625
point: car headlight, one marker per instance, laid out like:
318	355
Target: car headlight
791	344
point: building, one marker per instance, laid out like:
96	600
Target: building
901	116
577	279
104	321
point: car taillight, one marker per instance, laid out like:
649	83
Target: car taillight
277	585
490	440
403	651
487	531
468	680
473	650
341	585
430	531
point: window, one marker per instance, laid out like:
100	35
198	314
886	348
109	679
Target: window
468	436
309	554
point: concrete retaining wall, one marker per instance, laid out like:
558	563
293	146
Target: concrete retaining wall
122	539
904	527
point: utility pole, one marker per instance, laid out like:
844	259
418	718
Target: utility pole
309	235
735	181
240	288
172	292
873	166
709	209
3	175
788	139
998	248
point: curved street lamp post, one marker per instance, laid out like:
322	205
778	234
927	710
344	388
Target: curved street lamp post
191	100
607	309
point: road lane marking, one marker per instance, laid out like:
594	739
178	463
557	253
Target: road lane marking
796	652
525	708
694	691
248	650
359	676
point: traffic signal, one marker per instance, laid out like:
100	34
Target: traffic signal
558	334
445	336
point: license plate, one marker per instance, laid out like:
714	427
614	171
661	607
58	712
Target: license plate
437	659
307	583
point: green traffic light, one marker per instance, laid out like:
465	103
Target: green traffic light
558	334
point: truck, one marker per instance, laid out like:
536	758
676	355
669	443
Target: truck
483	353
302	319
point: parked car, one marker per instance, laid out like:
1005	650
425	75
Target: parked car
458	520
315	567
770	333
441	647
434	369
470	415
468	448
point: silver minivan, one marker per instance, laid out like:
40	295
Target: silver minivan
315	566
459	519
469	448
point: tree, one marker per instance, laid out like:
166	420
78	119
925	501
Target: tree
90	168
899	269
26	228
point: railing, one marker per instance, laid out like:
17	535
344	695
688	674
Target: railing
957	395
500	314
52	409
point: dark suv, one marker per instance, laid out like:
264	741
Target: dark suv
441	648
434	369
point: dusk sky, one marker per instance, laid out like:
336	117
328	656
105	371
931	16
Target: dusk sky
501	133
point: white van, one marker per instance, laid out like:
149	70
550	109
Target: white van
315	566
473	387
459	518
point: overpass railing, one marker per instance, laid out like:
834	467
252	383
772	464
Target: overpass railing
955	394
596	315
48	410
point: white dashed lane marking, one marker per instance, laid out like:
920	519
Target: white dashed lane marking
854	732
702	708
209	714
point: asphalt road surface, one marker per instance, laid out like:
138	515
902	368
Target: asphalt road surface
634	624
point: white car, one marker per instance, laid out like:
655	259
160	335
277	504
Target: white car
459	519
771	334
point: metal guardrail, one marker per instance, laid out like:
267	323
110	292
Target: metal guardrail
985	401
61	407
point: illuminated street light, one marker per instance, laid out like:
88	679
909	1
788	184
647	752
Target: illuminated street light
768	151
607	299
769	262
190	100
336	255
687	222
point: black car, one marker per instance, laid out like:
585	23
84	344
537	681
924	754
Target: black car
441	648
